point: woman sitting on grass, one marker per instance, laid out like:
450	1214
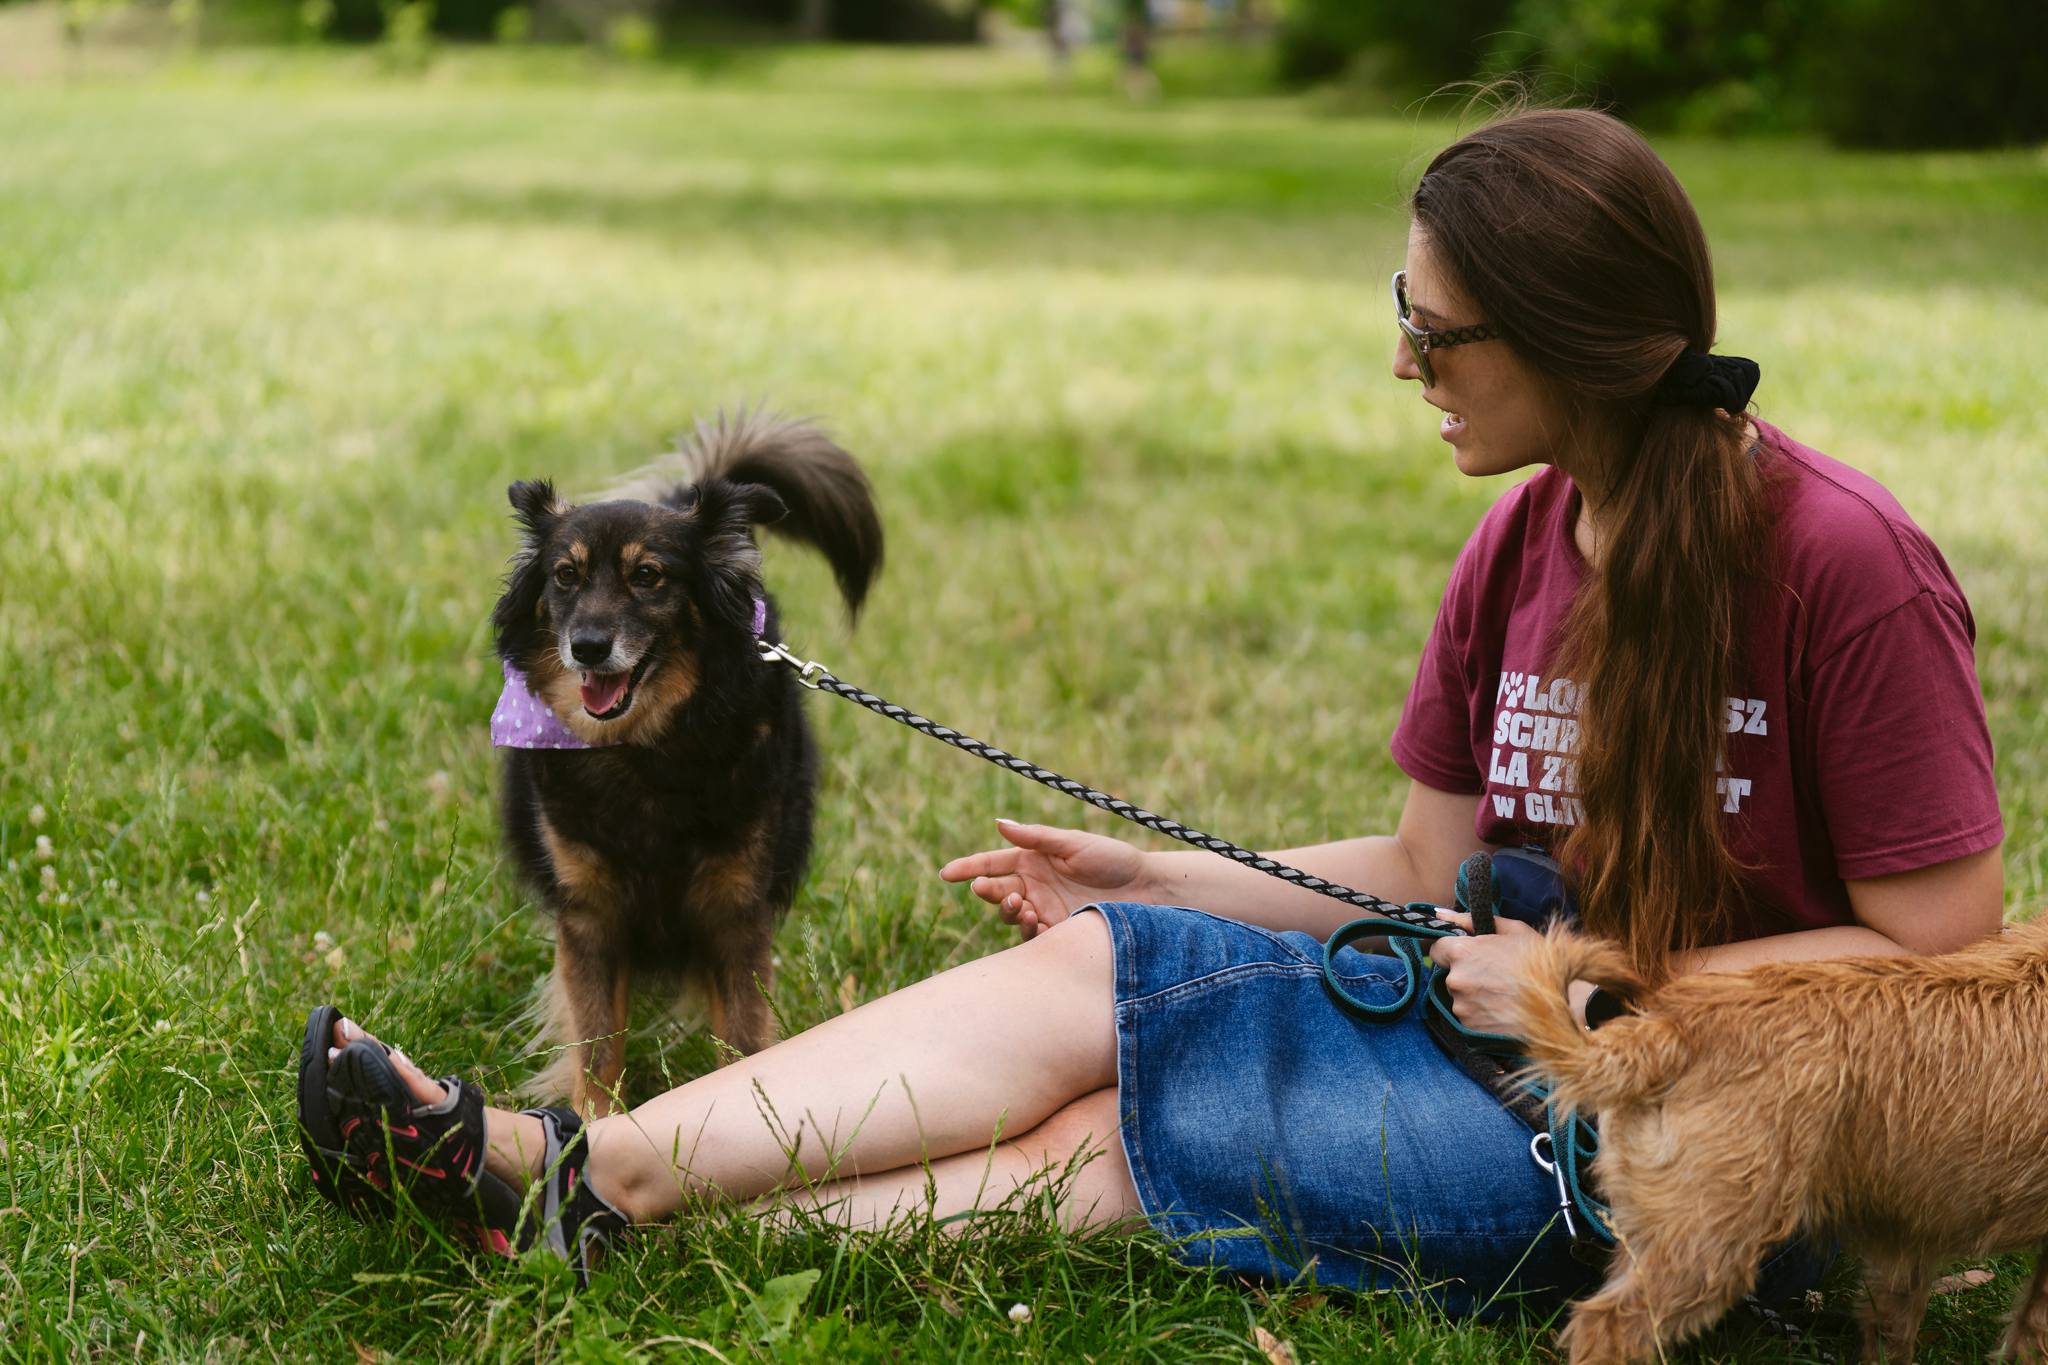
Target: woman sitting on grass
1725	671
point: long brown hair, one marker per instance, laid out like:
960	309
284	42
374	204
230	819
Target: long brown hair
1579	245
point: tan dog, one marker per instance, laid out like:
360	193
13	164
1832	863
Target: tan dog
1897	1104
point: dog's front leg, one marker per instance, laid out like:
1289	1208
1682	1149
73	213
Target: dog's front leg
735	985
588	999
729	901
2026	1340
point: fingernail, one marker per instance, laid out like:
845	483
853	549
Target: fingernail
349	1030
1004	820
333	1053
398	1054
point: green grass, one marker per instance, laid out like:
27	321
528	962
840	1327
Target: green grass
276	330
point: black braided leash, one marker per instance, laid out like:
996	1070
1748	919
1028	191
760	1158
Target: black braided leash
818	678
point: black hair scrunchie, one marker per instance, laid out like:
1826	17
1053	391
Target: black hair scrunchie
1699	380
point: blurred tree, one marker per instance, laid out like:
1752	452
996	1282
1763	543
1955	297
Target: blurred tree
1906	73
1428	42
1712	65
1892	73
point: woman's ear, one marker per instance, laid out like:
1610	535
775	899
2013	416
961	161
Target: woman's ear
520	611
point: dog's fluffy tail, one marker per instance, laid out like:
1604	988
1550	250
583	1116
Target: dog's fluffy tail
830	505
1592	1071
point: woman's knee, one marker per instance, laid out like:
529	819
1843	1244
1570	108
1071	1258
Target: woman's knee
1083	1127
1082	938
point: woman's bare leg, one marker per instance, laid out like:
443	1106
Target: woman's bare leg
930	1071
1075	1150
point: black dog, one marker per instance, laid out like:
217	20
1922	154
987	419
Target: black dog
659	776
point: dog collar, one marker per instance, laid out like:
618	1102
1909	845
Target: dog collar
522	720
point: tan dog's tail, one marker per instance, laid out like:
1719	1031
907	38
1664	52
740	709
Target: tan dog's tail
1590	1071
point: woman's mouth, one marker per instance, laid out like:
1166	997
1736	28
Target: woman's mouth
1452	428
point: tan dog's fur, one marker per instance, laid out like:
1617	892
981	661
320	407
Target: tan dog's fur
1897	1104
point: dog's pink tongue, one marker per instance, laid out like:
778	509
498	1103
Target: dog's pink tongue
601	691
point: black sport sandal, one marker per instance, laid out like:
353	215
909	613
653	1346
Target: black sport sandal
436	1152
336	1175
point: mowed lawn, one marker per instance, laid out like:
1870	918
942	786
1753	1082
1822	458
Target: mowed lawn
276	330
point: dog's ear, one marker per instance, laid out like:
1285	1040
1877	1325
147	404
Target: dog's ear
518	613
535	505
727	514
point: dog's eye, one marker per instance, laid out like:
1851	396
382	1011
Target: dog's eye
645	576
565	575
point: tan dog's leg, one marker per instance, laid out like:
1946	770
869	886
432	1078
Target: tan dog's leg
2027	1339
1664	1288
1895	1290
588	998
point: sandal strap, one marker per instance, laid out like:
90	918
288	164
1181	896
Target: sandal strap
435	1150
566	1214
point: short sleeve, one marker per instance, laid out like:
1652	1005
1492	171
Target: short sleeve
1433	741
1901	751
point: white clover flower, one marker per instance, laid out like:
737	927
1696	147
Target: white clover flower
36	814
45	850
49	876
1020	1312
203	897
322	940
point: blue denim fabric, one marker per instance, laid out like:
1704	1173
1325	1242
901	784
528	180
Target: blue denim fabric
1270	1133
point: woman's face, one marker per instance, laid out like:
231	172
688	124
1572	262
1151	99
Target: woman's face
1499	415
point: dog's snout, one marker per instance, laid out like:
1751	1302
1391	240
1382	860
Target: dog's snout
590	647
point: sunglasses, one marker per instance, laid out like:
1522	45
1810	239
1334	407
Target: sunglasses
1423	340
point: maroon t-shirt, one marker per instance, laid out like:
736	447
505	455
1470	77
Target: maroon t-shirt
1856	746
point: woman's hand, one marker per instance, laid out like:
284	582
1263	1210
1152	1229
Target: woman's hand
1047	873
1485	971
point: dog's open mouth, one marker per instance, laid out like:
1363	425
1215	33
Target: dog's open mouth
607	696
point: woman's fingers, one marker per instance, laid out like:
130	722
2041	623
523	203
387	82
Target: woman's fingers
994	862
995	890
1051	840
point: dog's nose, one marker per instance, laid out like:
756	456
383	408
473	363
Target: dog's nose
590	648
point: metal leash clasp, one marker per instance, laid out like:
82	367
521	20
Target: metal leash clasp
1538	1145
806	669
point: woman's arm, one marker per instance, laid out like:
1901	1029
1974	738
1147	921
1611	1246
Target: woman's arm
1930	910
1046	873
1934	909
1418	862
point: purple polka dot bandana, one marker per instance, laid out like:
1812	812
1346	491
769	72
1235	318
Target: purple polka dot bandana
523	721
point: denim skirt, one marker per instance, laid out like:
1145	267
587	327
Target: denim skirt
1272	1134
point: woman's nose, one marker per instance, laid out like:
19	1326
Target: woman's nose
1404	361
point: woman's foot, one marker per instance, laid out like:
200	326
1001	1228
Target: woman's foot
515	1143
510	1181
